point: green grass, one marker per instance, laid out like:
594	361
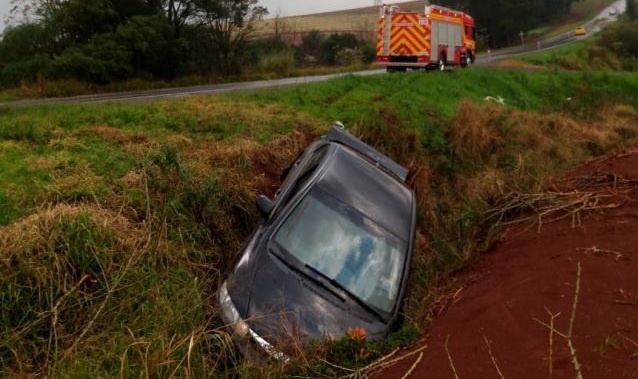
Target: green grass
364	99
117	222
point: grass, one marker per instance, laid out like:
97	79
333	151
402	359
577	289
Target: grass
578	56
118	221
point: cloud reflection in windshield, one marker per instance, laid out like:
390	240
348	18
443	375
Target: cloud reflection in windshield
345	246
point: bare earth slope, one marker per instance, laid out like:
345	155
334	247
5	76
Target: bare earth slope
578	272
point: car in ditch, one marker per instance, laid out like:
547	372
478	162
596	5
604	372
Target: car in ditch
331	254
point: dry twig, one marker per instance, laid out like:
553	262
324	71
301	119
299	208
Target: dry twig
413	367
551	342
597	251
569	336
489	349
449	357
383	362
546	207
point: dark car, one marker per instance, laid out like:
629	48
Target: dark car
332	252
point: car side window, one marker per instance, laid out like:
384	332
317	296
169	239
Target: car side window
304	173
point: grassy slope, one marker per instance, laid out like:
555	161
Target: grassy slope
119	219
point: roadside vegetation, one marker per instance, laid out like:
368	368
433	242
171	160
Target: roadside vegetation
119	221
615	48
86	46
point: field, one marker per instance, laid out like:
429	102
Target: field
363	21
118	221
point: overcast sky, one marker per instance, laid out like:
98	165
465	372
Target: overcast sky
275	7
296	7
5	6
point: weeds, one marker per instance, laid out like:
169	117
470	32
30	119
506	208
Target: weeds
280	63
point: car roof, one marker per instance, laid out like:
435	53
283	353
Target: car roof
381	197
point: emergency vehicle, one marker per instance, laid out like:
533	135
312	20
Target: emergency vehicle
436	38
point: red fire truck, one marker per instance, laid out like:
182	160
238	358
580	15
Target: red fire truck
436	38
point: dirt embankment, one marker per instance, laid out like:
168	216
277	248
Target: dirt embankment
557	299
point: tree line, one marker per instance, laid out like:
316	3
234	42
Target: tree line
500	22
104	41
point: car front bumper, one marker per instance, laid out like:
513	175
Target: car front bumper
250	343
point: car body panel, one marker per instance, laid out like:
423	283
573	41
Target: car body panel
347	139
286	303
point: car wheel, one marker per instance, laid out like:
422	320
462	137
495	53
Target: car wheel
442	62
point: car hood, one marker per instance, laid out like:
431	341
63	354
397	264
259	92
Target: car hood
284	304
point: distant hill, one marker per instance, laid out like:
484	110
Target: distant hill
359	21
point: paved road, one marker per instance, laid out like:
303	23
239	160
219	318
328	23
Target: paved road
155	94
593	26
126	97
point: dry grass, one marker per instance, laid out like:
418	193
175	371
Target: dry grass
472	133
487	136
34	233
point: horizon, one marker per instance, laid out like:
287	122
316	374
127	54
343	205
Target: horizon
283	8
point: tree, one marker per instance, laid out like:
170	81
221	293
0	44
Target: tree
334	44
154	50
22	53
103	60
311	44
228	24
178	13
632	10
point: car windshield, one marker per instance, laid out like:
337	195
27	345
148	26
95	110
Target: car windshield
345	246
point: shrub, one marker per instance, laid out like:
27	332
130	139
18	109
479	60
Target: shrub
281	63
349	57
335	43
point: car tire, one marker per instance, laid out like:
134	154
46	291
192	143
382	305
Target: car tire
442	62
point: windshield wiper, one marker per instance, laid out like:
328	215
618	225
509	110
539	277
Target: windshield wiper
341	287
323	280
320	281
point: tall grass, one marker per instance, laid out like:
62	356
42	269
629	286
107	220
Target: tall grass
119	221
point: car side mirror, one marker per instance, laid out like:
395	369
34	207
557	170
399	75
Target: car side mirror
264	204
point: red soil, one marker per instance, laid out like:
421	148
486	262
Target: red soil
499	323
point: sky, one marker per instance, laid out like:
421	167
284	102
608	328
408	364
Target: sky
275	7
5	7
295	7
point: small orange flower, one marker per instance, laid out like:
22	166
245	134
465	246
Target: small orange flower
356	334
